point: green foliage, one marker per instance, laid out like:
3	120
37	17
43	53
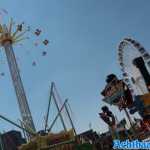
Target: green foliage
84	147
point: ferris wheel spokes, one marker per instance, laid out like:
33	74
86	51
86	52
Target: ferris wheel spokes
129	50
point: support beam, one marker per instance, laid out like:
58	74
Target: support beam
61	118
48	109
69	116
59	113
18	126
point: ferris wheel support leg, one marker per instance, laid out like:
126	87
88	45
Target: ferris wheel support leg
129	118
140	64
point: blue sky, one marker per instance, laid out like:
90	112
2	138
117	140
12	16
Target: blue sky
85	35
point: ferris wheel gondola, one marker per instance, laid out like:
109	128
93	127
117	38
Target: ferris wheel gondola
129	50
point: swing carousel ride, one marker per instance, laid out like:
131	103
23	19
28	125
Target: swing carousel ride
10	35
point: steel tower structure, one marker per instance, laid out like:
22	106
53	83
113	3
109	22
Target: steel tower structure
7	39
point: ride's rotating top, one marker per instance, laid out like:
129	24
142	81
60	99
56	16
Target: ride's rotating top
7	39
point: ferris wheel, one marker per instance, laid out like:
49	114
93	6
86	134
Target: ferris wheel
128	50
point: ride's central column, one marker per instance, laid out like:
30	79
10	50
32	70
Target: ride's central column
6	42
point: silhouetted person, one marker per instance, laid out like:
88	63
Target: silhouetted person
107	116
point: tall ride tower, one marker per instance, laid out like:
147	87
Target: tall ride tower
7	39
